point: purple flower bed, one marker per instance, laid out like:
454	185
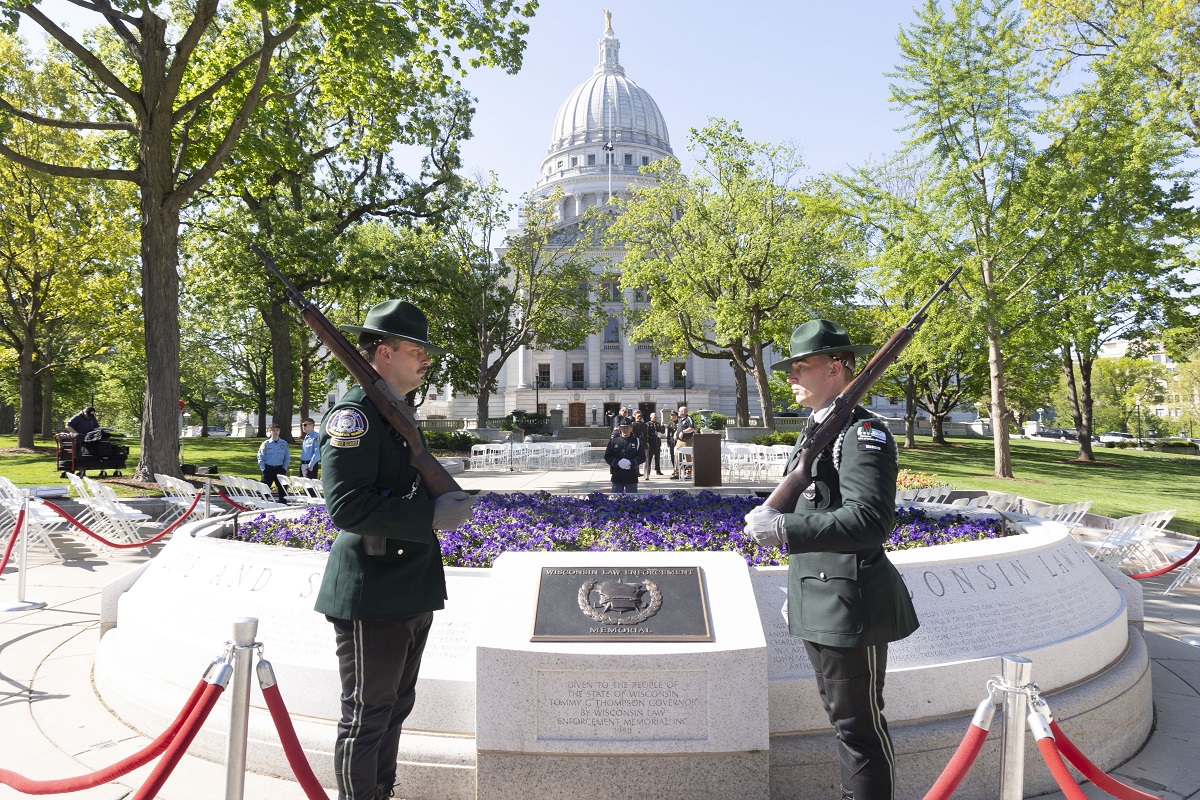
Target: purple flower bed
675	521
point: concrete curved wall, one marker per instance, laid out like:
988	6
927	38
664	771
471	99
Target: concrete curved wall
1037	594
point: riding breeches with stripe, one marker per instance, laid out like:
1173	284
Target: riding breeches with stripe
850	680
378	661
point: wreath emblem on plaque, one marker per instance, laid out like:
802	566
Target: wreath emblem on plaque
616	597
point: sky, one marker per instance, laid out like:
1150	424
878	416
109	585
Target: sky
806	72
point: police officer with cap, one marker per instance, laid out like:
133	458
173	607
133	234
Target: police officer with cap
381	606
845	599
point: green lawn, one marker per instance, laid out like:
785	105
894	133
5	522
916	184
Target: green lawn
233	456
1122	482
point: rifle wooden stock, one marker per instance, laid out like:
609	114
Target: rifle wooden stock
391	406
788	492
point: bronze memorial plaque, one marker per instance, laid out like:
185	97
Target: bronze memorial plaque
646	604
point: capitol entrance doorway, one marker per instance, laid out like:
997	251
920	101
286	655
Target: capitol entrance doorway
576	415
647	409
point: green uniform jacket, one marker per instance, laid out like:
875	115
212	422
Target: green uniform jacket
842	589
368	482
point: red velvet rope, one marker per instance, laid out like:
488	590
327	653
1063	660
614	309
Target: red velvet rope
8	548
102	776
1058	769
1164	570
1106	783
124	545
960	764
237	506
291	745
183	740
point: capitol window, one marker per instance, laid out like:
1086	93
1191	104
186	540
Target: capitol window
629	159
560	163
645	160
591	159
574	161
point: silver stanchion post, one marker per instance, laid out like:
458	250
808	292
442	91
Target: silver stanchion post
22	550
207	495
1015	672
244	632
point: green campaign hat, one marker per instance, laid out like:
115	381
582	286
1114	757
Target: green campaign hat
397	318
816	337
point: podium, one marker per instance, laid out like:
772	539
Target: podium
706	459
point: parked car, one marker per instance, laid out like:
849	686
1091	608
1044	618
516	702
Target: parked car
1057	434
216	431
1113	437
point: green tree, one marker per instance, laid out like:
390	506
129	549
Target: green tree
969	85
171	112
64	257
535	292
735	256
1160	41
1123	280
1125	387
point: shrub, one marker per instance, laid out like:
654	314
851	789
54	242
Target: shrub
776	437
454	441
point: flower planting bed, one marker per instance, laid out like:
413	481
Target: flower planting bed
703	521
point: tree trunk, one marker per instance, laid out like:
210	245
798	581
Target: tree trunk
1085	434
1000	441
481	406
47	403
936	423
1085	407
160	261
910	412
279	324
762	380
27	393
741	408
306	364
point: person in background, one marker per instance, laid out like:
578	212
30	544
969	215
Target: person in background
654	434
273	459
83	422
672	429
623	454
845	600
684	432
642	431
310	450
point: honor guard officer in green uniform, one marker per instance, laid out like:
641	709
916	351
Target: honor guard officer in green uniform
845	599
381	606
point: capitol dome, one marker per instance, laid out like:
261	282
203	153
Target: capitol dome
609	105
607	125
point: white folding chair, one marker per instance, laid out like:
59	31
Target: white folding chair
39	520
478	459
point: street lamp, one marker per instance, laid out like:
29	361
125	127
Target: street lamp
683	372
594	413
1040	411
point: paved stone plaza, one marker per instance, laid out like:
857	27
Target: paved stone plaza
55	726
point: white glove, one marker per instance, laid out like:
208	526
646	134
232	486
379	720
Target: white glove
451	510
767	527
624	463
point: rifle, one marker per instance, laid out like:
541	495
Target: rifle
788	492
381	394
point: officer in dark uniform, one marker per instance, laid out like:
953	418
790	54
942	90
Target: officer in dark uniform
381	606
845	599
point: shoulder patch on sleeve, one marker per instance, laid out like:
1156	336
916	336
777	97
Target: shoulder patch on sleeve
346	427
870	433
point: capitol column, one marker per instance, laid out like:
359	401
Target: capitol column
594	370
